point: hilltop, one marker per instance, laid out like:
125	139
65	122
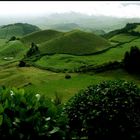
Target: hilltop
17	29
75	42
40	36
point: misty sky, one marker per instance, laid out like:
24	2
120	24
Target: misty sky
41	8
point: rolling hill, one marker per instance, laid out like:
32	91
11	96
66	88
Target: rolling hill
75	42
17	29
40	36
13	49
131	30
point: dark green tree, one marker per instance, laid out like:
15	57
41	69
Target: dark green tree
22	64
12	38
33	50
132	60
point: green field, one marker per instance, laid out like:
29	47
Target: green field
48	83
122	38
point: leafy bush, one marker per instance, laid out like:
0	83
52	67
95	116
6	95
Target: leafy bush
109	110
12	38
29	116
22	64
67	76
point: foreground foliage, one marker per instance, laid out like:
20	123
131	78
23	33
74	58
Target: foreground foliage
29	116
109	110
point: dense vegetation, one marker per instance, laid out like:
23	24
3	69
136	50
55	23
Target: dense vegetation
132	60
29	116
109	110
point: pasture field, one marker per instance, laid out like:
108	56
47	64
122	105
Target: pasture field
49	83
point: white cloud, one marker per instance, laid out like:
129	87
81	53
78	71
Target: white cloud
35	8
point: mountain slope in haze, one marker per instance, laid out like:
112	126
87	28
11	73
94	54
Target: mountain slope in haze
130	28
40	36
17	29
100	22
75	42
66	27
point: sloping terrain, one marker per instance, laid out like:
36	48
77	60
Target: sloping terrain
13	49
75	42
128	33
17	29
40	36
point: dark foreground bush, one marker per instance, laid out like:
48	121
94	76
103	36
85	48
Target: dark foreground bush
26	116
109	110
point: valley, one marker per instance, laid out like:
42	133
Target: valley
62	53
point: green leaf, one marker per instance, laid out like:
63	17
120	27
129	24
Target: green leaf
6	105
55	129
1	119
1	109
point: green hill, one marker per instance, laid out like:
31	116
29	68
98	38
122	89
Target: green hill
130	29
14	49
125	35
17	29
75	42
40	36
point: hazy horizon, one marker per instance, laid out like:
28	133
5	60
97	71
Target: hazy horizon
19	9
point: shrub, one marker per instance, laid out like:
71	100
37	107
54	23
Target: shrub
57	99
67	76
22	64
109	110
34	50
29	116
12	38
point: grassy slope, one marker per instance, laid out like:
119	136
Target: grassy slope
48	83
17	29
40	36
70	62
75	42
137	29
15	49
122	38
2	42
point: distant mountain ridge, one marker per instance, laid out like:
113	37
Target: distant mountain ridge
66	27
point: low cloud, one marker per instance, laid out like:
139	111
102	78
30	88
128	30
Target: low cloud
39	8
